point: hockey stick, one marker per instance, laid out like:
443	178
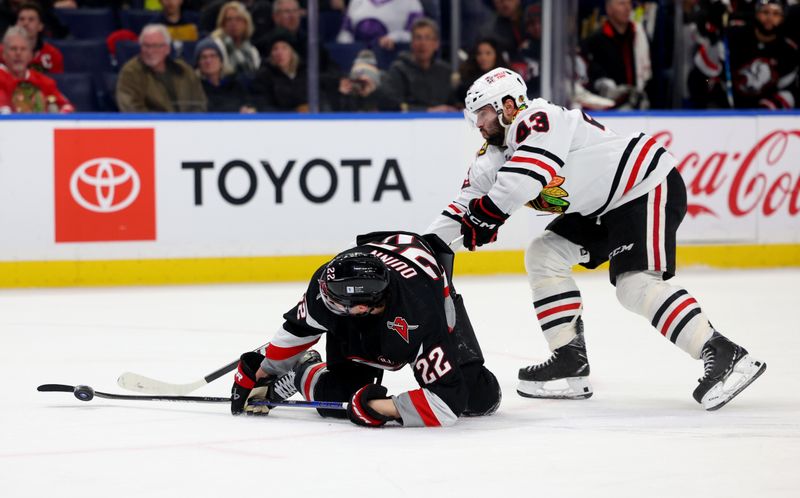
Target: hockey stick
139	383
727	63
86	393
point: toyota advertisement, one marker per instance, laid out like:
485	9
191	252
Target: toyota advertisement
106	190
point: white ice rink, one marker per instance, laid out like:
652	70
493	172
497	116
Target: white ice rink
641	435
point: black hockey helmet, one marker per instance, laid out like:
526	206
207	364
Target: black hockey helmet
354	279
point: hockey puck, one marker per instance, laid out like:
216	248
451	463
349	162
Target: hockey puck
84	393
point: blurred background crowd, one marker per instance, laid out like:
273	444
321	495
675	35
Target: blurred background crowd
391	55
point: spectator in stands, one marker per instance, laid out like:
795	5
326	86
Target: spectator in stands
484	57
384	23
260	13
154	82
360	91
287	16
282	82
233	33
618	58
46	57
224	93
418	81
506	26
172	17
763	64
26	90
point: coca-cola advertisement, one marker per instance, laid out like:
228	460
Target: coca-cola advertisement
742	175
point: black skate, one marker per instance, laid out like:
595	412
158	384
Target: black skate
568	365
283	387
728	371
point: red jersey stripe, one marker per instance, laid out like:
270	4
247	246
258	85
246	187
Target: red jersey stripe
531	160
638	164
675	313
278	353
423	408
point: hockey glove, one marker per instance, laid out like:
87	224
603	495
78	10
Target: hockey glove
246	387
359	412
480	223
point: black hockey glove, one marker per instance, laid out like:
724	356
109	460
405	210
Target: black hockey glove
480	223
359	411
245	386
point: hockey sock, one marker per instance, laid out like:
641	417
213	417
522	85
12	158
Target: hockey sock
548	261
673	312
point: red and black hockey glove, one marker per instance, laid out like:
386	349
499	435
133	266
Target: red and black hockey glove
246	387
480	223
359	412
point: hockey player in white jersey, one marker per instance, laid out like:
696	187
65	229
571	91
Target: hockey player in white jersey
618	199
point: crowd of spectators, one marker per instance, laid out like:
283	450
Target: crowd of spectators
390	55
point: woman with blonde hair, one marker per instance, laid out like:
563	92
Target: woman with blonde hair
232	36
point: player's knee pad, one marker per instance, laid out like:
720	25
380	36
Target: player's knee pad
551	255
484	394
636	290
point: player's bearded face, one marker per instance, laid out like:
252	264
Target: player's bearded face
489	125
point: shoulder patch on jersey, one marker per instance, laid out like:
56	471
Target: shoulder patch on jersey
551	199
401	326
483	149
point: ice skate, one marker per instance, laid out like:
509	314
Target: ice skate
283	388
562	376
729	369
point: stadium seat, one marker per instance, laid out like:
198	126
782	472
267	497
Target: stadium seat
86	24
78	88
126	50
135	19
105	91
184	51
343	54
84	55
330	22
386	57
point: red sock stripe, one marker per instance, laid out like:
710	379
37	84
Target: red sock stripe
423	408
558	309
278	353
638	164
310	378
675	313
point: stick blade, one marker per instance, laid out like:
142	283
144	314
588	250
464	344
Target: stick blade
60	388
139	383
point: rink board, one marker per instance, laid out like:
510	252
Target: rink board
114	199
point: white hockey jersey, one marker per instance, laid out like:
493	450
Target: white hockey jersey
559	161
368	20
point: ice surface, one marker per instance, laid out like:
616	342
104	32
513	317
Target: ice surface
641	434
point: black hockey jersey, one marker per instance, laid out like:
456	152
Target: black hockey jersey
415	329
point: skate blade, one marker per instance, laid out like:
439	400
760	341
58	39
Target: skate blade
744	373
576	388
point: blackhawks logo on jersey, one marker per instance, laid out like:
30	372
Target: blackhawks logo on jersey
551	199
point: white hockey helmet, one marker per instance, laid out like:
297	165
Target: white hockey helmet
493	88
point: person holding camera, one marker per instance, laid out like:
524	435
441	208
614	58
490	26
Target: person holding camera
359	90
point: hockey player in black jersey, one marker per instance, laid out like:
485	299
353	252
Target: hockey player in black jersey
383	304
619	199
761	67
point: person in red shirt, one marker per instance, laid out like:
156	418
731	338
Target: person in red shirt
46	57
27	90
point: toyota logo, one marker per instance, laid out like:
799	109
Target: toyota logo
105	175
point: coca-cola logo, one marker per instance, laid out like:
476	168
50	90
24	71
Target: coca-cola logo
749	188
112	185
